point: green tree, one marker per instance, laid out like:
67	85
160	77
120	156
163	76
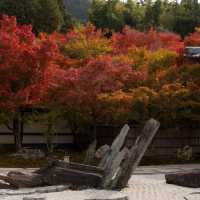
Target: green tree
48	17
107	14
115	14
24	10
44	15
133	14
181	17
188	17
68	22
152	14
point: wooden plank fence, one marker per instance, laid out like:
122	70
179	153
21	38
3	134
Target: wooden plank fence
33	134
166	142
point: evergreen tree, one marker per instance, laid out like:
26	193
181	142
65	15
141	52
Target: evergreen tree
44	15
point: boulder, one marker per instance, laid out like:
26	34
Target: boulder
187	179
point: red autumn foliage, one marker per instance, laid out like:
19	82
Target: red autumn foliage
81	87
152	40
76	68
100	75
193	39
24	60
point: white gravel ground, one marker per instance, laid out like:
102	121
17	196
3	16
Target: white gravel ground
148	183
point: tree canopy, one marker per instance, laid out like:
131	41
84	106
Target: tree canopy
43	15
164	15
87	79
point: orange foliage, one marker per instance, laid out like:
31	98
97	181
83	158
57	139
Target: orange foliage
193	39
131	76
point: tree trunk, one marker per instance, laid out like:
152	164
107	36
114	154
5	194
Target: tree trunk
17	131
22	126
50	135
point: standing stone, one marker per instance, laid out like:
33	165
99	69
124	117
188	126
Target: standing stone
90	153
138	150
102	151
115	169
115	148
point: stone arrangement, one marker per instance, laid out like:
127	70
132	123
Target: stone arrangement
114	170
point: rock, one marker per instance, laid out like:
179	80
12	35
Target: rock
90	153
121	198
27	153
5	186
115	169
21	180
66	159
138	150
117	144
185	153
34	198
187	179
113	172
102	151
50	189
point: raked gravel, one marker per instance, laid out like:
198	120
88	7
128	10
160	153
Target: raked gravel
147	183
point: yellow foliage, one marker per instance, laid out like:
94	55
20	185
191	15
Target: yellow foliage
161	59
117	97
82	46
197	29
139	57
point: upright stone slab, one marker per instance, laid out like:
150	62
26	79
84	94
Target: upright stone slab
138	150
115	148
102	151
115	169
90	153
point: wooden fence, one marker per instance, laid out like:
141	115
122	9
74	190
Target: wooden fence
34	134
166	142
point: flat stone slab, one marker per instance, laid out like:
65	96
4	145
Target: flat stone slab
187	179
122	198
34	198
31	191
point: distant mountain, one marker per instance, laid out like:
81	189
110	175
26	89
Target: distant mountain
78	8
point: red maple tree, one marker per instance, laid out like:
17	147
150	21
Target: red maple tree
24	61
151	40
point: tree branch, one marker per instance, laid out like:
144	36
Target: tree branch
8	126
